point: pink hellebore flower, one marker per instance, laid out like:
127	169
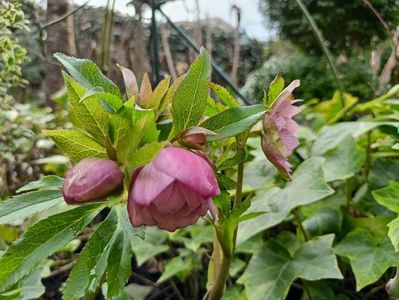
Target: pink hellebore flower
172	191
90	180
278	140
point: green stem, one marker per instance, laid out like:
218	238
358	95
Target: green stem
301	228
319	37
217	290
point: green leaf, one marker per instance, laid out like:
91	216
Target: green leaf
308	186
344	161
89	114
159	93
388	196
87	73
323	221
224	95
110	101
233	121
282	260
190	98
91	263
76	144
172	268
121	127
334	135
275	88
369	257
145	154
50	182
393	233
41	240
25	205
119	259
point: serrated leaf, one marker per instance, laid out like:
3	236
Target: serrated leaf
87	73
145	154
344	161
233	121
308	186
369	257
282	260
76	144
224	95
121	135
25	205
89	115
170	93
50	182
41	240
274	90
89	266
189	100
113	103
159	93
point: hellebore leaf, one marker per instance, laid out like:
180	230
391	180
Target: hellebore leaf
89	114
109	101
24	205
91	263
274	90
369	257
159	93
130	81
145	154
308	186
87	73
282	260
344	161
233	121
190	98
76	144
41	240
224	95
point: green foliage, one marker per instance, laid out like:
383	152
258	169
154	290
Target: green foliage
283	259
345	24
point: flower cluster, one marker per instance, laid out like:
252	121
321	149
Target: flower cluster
173	191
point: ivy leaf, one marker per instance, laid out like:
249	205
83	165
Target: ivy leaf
91	263
89	114
41	240
344	161
87	73
76	144
275	88
334	135
233	121
224	95
190	98
282	260
308	186
369	257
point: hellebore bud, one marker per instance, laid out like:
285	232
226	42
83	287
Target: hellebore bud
278	140
90	180
194	137
172	191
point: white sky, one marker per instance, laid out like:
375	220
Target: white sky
251	19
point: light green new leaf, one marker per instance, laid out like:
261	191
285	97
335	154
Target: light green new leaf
344	161
109	101
76	144
282	260
41	240
233	121
87	73
393	233
50	182
91	263
369	257
159	93
224	95
308	186
25	205
145	154
90	115
189	100
275	88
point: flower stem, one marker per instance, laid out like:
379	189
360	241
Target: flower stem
217	290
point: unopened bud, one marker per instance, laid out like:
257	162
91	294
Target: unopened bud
194	137
90	180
